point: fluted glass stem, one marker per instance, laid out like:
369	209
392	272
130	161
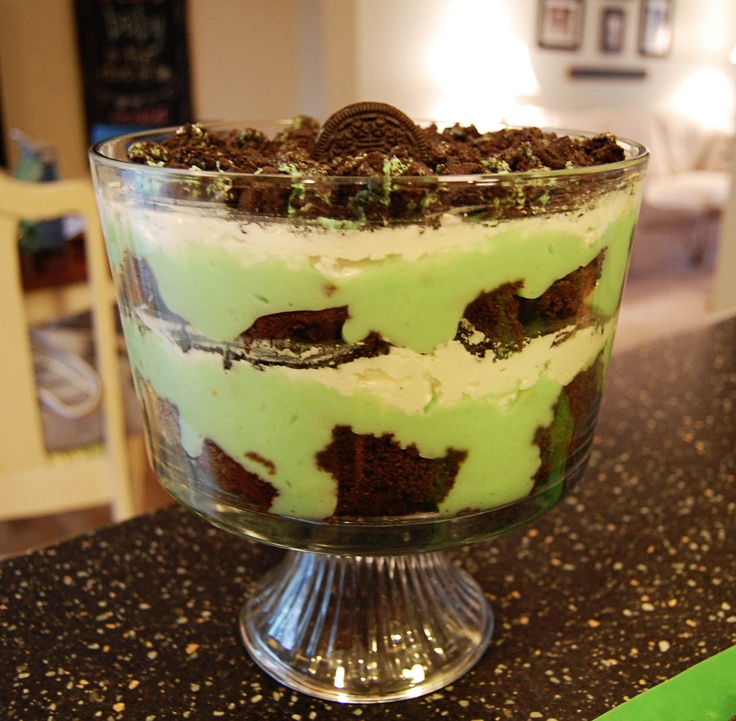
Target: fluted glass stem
366	628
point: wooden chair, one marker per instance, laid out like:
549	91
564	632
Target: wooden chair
34	481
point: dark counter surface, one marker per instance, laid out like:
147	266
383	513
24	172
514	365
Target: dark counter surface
626	583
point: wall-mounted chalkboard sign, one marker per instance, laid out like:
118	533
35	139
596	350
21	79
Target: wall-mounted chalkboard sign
135	64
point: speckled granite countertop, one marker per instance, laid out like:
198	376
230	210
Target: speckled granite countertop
623	585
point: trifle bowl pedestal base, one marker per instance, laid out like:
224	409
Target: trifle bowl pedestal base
366	629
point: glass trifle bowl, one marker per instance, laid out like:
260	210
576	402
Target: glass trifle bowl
368	342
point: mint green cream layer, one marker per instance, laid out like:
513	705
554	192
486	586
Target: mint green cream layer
416	302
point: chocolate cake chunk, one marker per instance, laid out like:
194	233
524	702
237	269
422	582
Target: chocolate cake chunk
376	476
140	289
303	326
565	297
566	440
563	302
304	339
212	465
296	339
502	321
248	487
491	323
162	416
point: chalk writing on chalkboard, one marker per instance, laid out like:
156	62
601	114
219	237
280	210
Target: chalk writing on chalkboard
135	64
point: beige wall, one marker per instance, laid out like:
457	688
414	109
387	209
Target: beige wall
40	79
271	58
339	29
244	58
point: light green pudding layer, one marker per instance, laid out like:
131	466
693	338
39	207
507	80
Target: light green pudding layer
222	276
288	420
410	285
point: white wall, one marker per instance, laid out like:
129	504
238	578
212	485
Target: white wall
404	48
703	34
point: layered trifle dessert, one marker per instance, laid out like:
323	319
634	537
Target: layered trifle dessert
368	318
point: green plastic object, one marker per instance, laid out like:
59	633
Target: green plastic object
705	692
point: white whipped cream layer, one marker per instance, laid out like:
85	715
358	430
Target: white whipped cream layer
413	381
334	250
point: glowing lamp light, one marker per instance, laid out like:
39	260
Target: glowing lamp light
477	80
706	96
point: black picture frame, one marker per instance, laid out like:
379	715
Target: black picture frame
655	28
612	30
560	24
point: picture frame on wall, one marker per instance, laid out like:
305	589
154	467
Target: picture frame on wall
655	28
612	30
560	24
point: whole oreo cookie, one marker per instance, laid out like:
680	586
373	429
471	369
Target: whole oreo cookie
363	127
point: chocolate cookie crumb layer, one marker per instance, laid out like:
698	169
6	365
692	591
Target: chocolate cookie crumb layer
404	160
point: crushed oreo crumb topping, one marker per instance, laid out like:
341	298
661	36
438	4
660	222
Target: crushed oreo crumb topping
426	158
